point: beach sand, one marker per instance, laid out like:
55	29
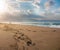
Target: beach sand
15	37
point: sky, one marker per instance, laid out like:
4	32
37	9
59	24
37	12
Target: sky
30	10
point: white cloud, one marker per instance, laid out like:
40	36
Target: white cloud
42	13
24	0
51	15
57	10
29	11
49	4
36	3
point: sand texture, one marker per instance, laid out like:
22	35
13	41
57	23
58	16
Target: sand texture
23	37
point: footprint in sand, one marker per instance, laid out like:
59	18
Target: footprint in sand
54	30
34	31
20	36
20	29
29	30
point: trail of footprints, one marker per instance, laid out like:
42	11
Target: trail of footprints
20	36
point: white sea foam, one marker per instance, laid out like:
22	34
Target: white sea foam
55	26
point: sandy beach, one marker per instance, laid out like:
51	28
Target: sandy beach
24	37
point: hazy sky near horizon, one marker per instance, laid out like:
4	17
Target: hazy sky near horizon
29	10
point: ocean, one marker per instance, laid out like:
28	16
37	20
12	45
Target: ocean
43	23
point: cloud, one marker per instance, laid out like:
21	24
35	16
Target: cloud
20	13
13	4
36	3
49	4
19	17
51	15
29	11
57	10
23	0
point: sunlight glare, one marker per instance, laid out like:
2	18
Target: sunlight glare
3	6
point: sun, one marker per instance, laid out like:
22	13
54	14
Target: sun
3	6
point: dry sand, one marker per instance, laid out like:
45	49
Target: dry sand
15	37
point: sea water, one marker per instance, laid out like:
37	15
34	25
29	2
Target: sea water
43	23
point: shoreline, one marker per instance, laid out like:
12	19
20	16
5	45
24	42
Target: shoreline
48	26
